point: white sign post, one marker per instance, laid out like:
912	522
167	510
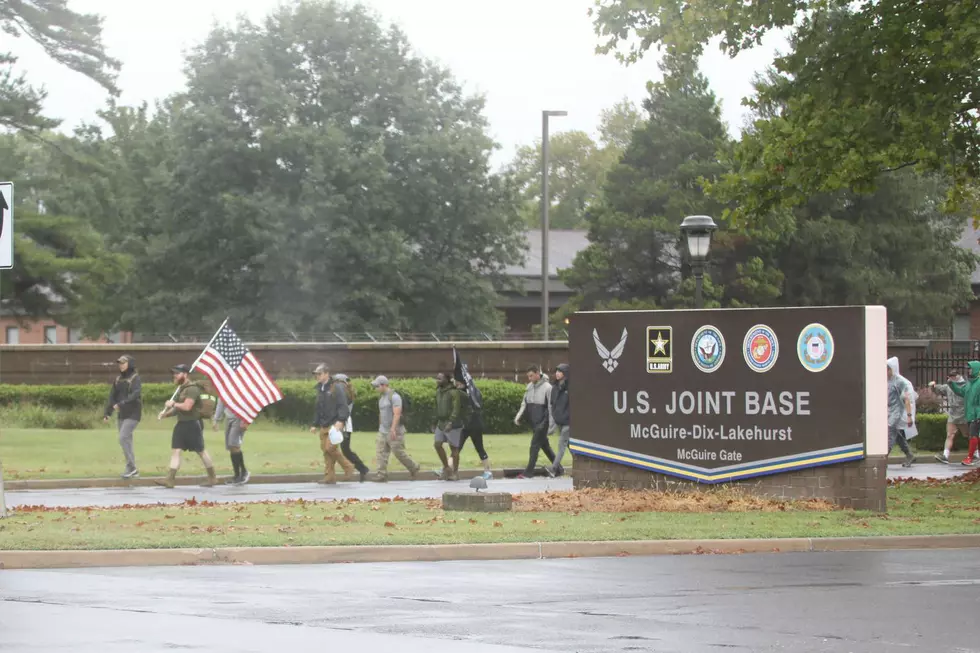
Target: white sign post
6	262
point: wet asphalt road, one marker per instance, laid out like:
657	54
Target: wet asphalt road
868	602
313	492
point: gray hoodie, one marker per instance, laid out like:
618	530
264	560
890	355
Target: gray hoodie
955	404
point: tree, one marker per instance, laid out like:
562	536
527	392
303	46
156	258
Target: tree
577	168
317	176
63	268
71	39
635	256
867	88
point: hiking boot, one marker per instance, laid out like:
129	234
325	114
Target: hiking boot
326	480
445	475
453	476
363	476
212	478
941	457
170	481
413	474
380	477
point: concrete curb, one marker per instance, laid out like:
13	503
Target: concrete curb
256	479
444	552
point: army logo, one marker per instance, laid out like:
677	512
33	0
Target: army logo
815	347
660	358
760	348
708	349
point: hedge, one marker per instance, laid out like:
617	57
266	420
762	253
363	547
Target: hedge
501	400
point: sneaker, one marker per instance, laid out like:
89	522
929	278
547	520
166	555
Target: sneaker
363	476
550	472
908	461
941	457
244	478
967	462
453	476
522	475
132	474
487	475
233	480
413	474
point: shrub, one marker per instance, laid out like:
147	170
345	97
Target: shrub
929	401
932	431
35	416
501	400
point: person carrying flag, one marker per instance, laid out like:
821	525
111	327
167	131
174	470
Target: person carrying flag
472	403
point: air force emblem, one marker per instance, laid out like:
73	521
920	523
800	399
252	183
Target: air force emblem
610	359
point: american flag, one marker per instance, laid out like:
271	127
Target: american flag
242	383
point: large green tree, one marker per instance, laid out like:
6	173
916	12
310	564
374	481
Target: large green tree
866	88
316	175
62	266
577	168
68	37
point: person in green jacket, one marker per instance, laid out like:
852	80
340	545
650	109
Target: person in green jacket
449	424
970	391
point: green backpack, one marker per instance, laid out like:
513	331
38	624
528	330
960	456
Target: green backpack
208	403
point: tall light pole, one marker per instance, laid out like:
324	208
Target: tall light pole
545	203
697	230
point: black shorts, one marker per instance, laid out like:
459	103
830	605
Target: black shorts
975	429
188	436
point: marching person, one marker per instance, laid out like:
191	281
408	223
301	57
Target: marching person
955	412
561	414
126	398
391	430
537	405
349	454
188	434
472	428
449	425
970	391
332	411
901	416
234	439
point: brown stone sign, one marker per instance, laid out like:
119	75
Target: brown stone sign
719	395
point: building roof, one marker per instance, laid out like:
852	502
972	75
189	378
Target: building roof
563	245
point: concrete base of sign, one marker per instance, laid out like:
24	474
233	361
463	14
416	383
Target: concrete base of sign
860	484
477	501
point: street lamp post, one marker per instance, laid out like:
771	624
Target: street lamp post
545	202
697	230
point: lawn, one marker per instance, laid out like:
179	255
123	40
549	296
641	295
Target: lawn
914	509
269	449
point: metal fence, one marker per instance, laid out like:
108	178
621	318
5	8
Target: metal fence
349	337
935	367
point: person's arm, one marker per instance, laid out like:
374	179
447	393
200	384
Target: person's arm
219	413
396	411
958	389
520	413
343	408
319	410
110	402
457	406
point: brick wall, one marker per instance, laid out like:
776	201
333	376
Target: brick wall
859	484
32	332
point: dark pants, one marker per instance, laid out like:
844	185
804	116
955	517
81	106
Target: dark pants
477	436
351	456
539	442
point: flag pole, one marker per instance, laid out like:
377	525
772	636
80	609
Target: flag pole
198	360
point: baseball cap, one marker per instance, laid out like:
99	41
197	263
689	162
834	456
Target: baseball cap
380	381
320	369
181	369
123	359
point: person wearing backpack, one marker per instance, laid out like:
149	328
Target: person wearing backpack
392	408
188	434
126	399
331	413
349	454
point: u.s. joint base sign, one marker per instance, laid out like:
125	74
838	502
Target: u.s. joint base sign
721	395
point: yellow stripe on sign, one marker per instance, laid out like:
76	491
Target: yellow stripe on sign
710	477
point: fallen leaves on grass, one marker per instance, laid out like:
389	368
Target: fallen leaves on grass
389	524
616	500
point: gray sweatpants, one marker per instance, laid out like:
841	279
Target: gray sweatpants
563	438
126	428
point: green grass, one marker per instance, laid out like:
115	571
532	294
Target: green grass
913	510
269	449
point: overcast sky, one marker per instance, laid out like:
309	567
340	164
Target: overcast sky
524	55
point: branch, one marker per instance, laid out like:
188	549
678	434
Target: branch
900	167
